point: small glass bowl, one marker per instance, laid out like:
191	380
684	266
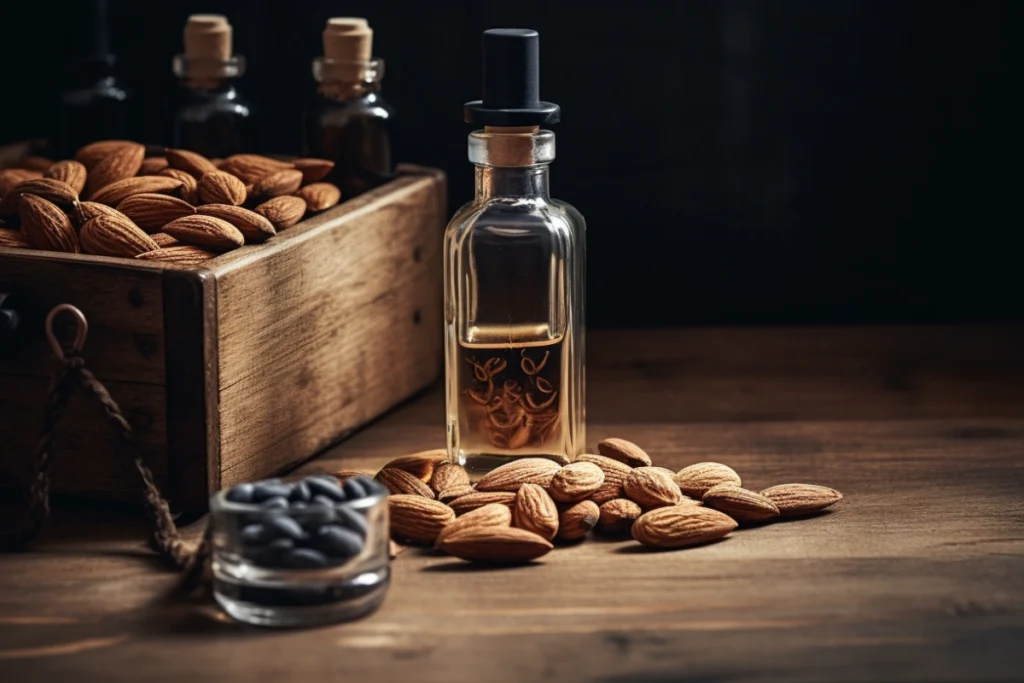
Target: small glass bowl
298	559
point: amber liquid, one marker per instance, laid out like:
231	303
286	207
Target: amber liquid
511	396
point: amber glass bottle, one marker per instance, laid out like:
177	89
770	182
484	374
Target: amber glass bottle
93	104
212	118
348	122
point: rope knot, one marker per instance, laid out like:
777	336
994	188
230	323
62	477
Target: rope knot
73	362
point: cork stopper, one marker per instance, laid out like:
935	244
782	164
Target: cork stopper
348	39
208	36
511	145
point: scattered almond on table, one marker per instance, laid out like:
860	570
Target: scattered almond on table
517	510
198	207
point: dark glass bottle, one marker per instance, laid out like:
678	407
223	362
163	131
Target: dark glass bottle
212	117
348	122
92	104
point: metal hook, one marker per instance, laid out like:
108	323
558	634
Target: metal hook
81	330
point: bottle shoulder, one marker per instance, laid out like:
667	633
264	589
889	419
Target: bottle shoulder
516	215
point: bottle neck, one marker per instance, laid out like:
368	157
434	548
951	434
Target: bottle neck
518	181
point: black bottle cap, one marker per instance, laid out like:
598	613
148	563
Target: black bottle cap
511	82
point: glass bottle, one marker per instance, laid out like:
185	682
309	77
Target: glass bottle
212	118
93	104
514	262
348	122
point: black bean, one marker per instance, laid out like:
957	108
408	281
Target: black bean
304	558
325	487
323	500
264	490
316	515
242	493
297	507
338	541
281	545
300	493
255	534
354	488
275	502
284	526
353	520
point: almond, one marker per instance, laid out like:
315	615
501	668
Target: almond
679	526
285	181
696	479
188	184
740	504
615	474
35	163
13	239
651	487
95	152
421	465
9	177
120	164
114	236
794	500
495	514
575	481
46	226
252	167
55	191
283	212
617	516
177	253
206	232
453	492
196	165
342	475
471	501
313	169
417	519
254	227
320	196
152	211
625	452
153	165
448	474
512	475
576	521
496	545
115	193
219	187
400	481
534	510
71	173
83	211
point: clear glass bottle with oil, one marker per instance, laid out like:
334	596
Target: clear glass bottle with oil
514	280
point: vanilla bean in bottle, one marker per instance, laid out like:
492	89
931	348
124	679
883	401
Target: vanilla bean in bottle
212	117
514	279
348	121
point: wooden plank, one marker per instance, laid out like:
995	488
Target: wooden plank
88	459
122	301
914	577
193	410
354	327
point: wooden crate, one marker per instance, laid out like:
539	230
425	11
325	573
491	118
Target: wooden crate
241	367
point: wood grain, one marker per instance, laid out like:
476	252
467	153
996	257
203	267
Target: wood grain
915	576
357	328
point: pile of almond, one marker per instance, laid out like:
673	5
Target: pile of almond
180	207
517	510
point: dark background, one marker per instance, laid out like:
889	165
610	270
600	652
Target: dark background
741	161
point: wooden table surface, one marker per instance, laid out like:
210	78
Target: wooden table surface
918	575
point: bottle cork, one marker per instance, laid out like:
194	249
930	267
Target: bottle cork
207	48
511	145
348	45
208	36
